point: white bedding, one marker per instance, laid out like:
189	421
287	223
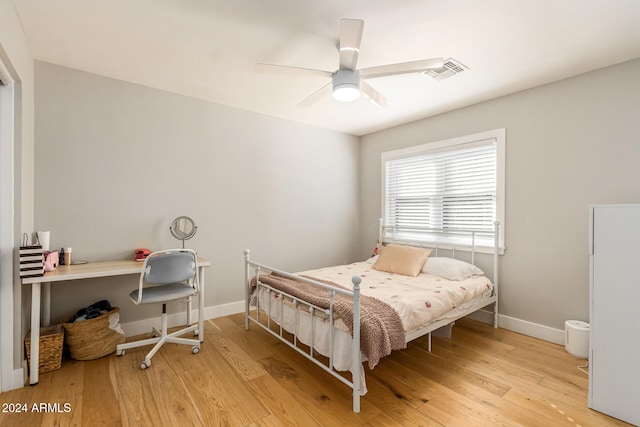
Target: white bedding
419	300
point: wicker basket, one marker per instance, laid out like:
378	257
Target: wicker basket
51	340
93	338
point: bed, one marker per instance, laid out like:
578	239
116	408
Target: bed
341	316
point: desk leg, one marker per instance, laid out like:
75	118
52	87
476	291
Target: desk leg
35	334
46	304
201	306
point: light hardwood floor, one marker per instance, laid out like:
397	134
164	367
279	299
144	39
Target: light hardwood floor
481	376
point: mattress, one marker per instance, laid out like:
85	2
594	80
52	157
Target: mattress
418	300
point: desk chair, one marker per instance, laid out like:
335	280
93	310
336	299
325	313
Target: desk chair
167	275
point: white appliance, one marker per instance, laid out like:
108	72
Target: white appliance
576	338
614	334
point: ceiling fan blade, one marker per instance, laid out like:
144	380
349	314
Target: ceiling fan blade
350	37
315	96
287	69
402	68
376	97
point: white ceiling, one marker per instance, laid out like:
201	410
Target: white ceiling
208	49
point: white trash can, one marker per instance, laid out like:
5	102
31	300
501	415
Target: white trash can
576	338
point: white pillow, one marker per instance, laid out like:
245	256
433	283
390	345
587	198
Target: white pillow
449	268
373	259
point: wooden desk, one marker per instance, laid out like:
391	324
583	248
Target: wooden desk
41	289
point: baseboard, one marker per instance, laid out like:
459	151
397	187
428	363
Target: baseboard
20	377
143	326
531	329
18	380
520	326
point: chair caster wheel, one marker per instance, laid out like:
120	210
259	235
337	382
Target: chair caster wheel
195	349
196	333
120	352
145	365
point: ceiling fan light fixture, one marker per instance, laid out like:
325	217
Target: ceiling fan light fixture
346	85
346	92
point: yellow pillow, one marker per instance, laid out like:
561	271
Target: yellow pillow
405	260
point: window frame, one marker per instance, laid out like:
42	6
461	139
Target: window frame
453	144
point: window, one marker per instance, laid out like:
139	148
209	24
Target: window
455	185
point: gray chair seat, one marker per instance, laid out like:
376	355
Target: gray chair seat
163	293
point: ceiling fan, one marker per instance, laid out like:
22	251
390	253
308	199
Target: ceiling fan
348	82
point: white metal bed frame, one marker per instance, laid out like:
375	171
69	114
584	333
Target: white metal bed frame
356	380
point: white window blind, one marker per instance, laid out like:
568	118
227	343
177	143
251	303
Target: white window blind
451	187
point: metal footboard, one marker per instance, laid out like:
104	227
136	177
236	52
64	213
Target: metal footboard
253	269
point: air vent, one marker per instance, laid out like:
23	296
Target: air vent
451	68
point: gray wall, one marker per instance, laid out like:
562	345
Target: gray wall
569	144
116	162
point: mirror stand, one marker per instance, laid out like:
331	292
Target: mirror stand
183	228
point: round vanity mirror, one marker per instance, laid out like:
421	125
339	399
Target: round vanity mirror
183	228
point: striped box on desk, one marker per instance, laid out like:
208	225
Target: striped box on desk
31	261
